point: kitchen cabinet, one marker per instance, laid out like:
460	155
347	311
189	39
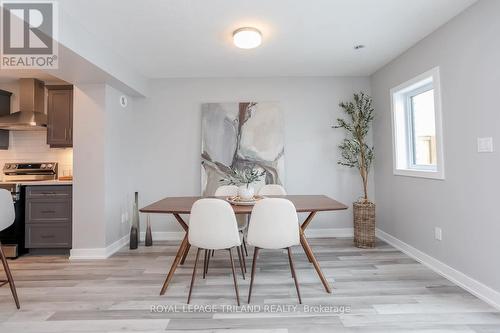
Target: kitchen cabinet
48	214
4	111
60	116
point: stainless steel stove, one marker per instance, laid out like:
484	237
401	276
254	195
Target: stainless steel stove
18	172
12	238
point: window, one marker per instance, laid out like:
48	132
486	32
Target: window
416	127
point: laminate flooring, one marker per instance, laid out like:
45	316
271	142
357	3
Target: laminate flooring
374	290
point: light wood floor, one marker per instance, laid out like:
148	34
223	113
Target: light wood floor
382	289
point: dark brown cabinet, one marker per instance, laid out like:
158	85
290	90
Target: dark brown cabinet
60	116
48	217
4	111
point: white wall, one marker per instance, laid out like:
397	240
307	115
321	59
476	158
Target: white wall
465	203
168	124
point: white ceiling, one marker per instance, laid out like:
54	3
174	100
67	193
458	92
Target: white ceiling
192	38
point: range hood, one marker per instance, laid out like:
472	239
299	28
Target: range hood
30	116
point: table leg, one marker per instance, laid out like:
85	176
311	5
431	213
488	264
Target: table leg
303	227
185	254
177	259
310	254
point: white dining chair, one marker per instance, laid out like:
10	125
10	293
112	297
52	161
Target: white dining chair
274	224
272	189
213	226
7	217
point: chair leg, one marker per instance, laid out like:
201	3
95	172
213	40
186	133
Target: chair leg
294	275
208	258
186	252
205	260
238	250
243	259
234	277
194	273
10	279
245	245
255	254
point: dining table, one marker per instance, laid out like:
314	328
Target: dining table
311	204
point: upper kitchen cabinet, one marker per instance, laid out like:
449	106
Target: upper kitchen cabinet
60	116
4	111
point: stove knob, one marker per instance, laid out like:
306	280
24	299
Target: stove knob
42	166
13	166
49	166
7	166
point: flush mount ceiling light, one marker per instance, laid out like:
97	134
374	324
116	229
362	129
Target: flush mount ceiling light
247	38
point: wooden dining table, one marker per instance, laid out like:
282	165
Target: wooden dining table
311	204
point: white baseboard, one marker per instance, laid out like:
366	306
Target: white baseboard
473	286
311	233
99	253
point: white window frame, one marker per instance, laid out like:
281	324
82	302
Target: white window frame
403	154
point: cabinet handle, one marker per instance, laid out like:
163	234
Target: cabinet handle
65	134
48	211
47	236
47	192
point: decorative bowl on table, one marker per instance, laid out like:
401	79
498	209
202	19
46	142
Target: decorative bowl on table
237	200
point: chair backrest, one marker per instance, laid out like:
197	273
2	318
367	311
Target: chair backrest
274	224
212	225
7	212
272	189
226	191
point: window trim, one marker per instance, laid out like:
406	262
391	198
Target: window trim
401	141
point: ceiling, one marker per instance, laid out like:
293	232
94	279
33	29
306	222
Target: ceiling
193	38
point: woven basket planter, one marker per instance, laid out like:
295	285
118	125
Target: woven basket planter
364	224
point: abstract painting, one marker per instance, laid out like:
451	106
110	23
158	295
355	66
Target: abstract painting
238	136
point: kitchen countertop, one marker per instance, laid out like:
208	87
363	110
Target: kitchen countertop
43	182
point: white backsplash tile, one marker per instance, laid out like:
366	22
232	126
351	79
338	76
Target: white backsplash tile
28	146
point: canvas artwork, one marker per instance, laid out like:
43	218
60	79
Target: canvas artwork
240	135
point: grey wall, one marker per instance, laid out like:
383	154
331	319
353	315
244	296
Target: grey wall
465	204
119	164
169	141
89	166
104	170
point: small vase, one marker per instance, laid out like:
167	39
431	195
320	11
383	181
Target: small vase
246	192
135	229
148	241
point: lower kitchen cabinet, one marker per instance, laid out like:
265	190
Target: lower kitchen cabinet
48	217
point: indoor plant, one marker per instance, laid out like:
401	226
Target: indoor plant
244	178
356	153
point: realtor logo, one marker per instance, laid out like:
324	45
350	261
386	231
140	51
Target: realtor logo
29	33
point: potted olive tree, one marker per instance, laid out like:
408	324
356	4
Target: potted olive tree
356	153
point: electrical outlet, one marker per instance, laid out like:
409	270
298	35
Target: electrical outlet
438	233
123	218
485	145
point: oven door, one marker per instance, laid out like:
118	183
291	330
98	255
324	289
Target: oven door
12	238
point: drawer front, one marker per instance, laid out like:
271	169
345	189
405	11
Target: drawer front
48	210
48	235
49	191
